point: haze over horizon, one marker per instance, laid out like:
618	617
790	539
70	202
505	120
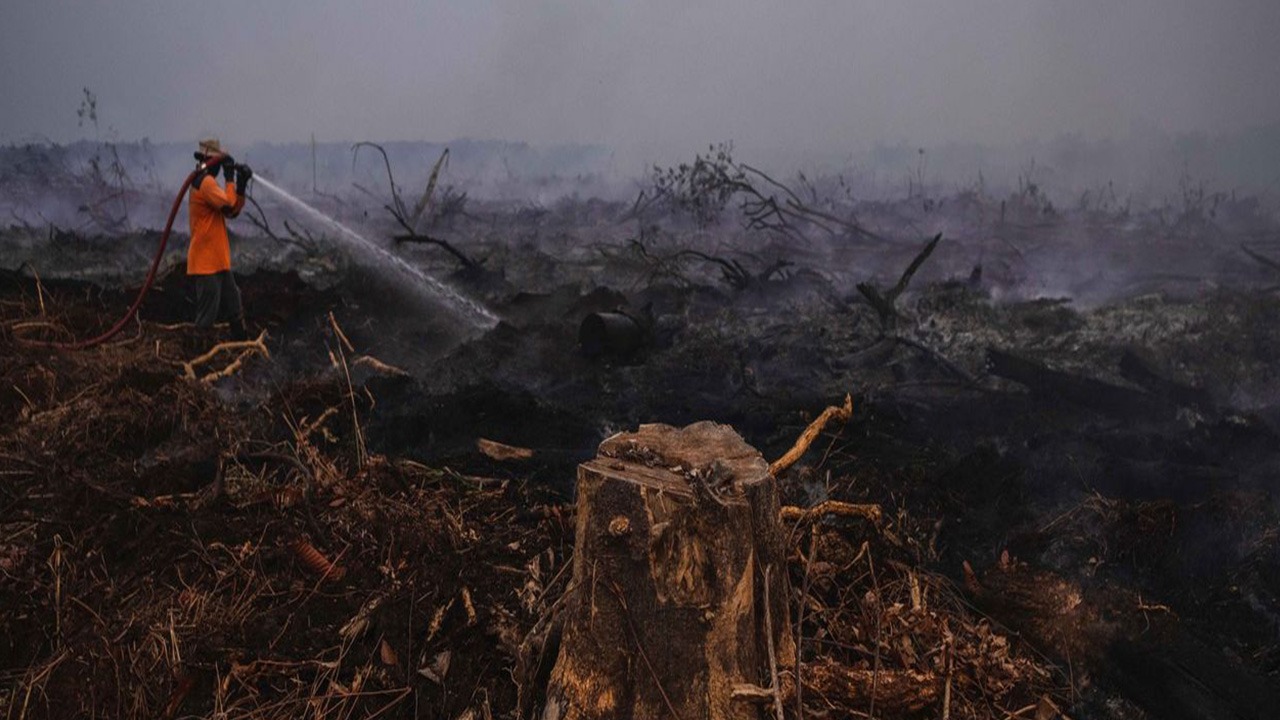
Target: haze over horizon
657	78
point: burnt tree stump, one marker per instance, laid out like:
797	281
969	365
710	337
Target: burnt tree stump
679	576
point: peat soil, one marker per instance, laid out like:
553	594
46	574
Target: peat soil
1080	512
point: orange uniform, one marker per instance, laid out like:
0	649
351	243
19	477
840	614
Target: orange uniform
208	208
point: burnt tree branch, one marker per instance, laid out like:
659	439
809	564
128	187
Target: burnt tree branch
885	304
735	273
467	262
399	210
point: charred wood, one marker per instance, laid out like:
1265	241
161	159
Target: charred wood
1085	392
680	595
1139	371
467	261
885	303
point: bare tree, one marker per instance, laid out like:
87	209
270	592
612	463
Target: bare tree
705	187
409	219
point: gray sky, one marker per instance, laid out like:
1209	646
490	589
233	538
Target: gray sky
662	76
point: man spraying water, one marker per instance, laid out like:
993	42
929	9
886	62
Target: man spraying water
209	256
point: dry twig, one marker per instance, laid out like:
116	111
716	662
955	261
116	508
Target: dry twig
773	655
378	366
502	452
833	507
841	414
249	346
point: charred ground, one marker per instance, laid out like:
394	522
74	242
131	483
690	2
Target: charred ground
1078	495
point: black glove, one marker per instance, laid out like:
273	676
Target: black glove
243	175
228	167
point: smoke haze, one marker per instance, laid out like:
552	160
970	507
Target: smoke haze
812	81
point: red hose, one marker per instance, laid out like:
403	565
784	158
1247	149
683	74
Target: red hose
151	275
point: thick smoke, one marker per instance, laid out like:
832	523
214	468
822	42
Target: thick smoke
790	84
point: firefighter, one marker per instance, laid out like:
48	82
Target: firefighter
209	257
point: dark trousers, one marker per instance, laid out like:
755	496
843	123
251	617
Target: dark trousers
217	297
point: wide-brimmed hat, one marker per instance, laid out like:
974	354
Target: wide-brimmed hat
210	146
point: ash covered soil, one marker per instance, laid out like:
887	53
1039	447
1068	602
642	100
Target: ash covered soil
1079	510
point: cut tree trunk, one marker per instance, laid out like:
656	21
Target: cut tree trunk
679	580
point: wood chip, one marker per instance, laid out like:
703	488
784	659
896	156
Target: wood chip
501	452
388	654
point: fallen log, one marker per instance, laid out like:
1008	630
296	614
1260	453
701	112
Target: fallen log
679	583
1139	371
1085	392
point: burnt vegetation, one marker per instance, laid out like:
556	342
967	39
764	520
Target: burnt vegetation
1051	492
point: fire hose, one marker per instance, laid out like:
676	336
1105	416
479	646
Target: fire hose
212	161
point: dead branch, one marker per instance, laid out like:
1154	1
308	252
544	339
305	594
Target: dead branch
378	366
940	359
258	345
308	428
426	194
748	693
502	452
260	221
913	267
658	266
885	303
764	213
304	239
180	326
467	261
229	370
773	655
342	337
798	209
409	221
231	345
40	292
452	204
797	451
644	200
19	327
836	508
734	273
398	211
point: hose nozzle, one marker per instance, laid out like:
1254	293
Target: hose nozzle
209	160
